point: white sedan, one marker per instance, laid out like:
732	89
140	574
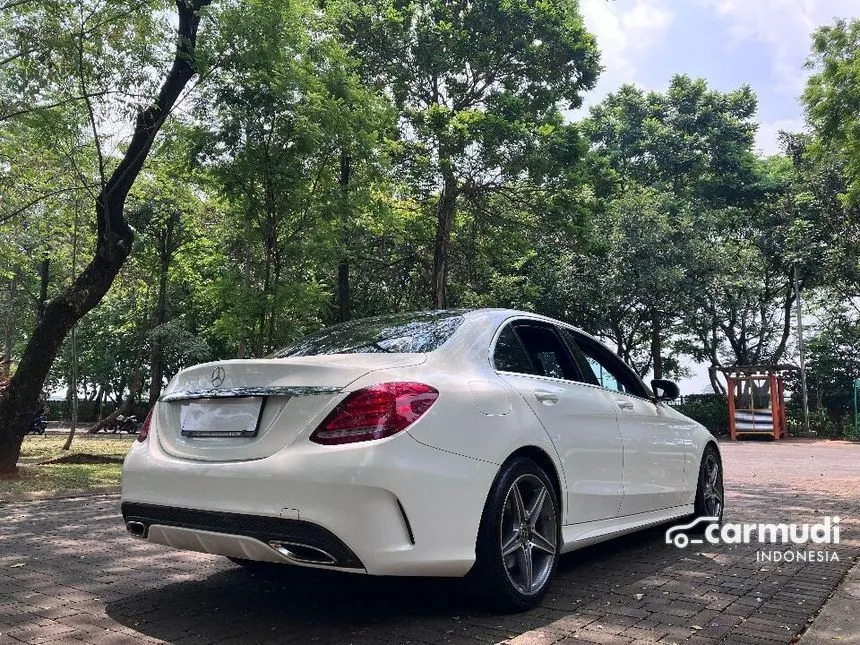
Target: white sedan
440	443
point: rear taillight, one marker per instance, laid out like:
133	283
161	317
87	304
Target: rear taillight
144	429
375	412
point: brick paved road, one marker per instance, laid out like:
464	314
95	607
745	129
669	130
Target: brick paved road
69	573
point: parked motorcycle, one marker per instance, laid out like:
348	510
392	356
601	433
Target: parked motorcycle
126	424
39	423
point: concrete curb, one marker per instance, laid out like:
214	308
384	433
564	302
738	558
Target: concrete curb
838	621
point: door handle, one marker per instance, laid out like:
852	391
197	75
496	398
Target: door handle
624	405
547	398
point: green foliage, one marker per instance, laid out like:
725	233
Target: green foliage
834	363
712	411
676	262
689	140
405	154
832	95
637	257
479	88
275	124
822	424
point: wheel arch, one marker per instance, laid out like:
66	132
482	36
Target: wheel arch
712	443
542	458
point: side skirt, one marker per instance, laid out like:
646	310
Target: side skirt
577	536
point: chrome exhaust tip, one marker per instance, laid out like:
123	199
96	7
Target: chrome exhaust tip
137	529
303	553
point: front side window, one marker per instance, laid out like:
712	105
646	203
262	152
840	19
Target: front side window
603	376
601	367
399	333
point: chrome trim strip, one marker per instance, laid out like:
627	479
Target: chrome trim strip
264	390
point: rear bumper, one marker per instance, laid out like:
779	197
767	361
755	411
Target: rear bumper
391	507
293	541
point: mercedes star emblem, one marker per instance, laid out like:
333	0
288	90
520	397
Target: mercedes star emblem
217	376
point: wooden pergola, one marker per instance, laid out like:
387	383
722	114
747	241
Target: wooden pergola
756	395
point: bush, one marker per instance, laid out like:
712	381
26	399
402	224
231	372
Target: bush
823	425
711	410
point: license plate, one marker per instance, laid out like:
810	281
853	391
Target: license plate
225	417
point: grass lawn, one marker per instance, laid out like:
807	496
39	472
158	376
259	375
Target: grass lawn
50	478
49	447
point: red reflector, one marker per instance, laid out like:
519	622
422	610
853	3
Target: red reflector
143	433
375	412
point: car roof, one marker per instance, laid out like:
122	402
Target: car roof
499	315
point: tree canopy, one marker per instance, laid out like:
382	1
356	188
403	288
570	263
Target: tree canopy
201	180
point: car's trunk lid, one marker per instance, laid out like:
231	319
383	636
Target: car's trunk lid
250	409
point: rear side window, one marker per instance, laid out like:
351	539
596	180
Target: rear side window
417	333
542	348
510	355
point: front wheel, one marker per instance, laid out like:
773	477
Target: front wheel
518	540
710	494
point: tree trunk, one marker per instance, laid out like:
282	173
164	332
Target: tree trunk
715	383
114	238
73	381
98	404
273	310
73	390
157	355
261	328
656	346
9	330
787	308
445	213
44	280
344	306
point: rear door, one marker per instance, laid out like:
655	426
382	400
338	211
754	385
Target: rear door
580	420
654	443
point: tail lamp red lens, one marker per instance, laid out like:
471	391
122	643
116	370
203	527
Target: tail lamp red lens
143	433
375	412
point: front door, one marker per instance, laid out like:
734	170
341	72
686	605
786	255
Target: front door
654	442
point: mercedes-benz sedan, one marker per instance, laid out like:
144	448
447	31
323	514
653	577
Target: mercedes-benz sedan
439	443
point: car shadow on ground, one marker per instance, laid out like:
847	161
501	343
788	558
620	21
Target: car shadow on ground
282	603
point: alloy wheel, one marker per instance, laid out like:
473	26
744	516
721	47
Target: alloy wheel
713	487
529	536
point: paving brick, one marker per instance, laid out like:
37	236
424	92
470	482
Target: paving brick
105	587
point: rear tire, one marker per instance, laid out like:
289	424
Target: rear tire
518	548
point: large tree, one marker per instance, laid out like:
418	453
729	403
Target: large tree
832	95
830	159
638	260
478	86
693	145
74	55
289	138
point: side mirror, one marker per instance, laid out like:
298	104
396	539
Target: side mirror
665	390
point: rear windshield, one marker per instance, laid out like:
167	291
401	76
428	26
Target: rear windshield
394	334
